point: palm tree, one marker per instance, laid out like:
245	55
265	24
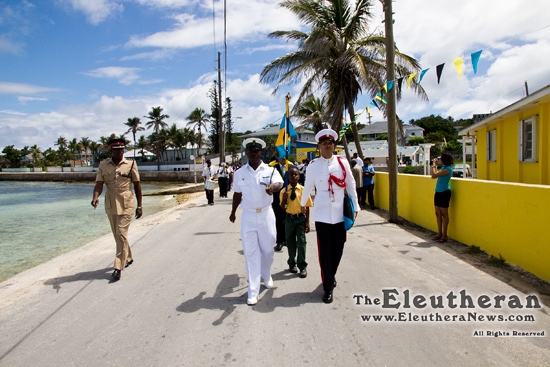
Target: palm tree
74	148
95	148
62	150
198	119
312	110
133	126
338	56
142	144
189	136
85	145
35	151
156	121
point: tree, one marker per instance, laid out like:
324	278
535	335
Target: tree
156	121
437	124
133	126
232	141
198	119
142	144
339	56
74	149
312	111
13	157
416	140
214	135
85	145
62	150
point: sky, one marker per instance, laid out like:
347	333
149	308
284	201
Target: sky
80	68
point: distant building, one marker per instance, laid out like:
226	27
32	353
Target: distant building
376	129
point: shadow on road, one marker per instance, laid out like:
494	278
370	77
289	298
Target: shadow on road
83	276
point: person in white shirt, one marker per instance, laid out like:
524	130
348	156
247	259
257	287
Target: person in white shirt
330	175
223	178
253	187
208	175
358	159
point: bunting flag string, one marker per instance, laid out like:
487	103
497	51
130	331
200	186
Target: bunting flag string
458	63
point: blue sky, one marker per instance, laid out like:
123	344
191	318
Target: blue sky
80	68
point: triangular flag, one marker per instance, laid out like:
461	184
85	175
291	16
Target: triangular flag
388	86
409	80
399	83
368	110
380	97
458	65
475	59
422	75
438	71
373	102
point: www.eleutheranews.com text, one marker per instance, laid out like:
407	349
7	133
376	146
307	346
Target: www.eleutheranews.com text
437	317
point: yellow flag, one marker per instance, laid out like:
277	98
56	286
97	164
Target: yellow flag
411	77
458	65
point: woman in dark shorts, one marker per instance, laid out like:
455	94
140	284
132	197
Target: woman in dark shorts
442	195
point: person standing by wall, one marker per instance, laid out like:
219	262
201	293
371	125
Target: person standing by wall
367	192
296	223
253	185
117	173
358	177
331	176
208	174
442	196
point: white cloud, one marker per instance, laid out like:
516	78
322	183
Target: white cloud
96	11
124	75
24	100
19	88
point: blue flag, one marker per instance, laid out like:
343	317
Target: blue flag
286	133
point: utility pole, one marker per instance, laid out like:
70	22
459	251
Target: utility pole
390	110
221	130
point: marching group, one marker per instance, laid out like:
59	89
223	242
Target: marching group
275	201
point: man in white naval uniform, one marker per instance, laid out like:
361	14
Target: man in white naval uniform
253	187
330	175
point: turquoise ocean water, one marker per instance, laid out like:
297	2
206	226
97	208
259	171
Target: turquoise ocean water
42	220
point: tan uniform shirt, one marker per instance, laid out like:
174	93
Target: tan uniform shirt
119	198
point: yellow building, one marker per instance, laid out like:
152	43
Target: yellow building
513	144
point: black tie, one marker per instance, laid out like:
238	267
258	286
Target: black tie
293	194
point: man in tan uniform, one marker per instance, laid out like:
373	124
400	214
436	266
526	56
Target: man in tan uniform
117	173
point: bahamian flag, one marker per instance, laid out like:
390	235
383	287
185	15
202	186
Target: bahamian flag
286	133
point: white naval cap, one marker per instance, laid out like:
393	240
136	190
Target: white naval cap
326	134
254	143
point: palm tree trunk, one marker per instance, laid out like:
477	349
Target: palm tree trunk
351	111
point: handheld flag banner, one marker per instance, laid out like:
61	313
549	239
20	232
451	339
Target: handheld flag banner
286	133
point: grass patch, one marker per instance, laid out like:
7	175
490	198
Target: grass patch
499	261
474	250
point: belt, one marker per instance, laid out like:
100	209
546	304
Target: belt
295	215
257	210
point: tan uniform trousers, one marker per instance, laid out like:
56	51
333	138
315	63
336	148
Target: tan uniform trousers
119	226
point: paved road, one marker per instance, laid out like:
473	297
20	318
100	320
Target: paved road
183	303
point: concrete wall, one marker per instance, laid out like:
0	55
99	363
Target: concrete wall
503	219
162	176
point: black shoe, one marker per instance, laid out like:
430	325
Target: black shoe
327	297
303	273
278	247
293	269
335	283
116	274
128	263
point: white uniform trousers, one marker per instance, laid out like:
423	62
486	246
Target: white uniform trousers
258	235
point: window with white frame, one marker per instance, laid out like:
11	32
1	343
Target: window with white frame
492	145
528	140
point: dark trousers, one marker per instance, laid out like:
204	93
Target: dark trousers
370	195
210	196
280	215
222	184
295	230
330	244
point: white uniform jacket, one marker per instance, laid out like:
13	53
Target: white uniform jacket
326	207
251	183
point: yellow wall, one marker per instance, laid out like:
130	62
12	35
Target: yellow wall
508	219
507	167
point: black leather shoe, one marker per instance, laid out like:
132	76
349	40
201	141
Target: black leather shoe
327	297
293	269
116	274
128	263
303	273
278	247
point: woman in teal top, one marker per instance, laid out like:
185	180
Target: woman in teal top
442	195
